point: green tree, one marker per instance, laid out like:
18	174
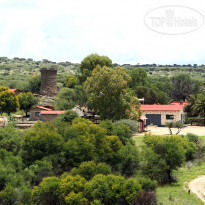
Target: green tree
107	94
87	142
71	184
89	169
10	139
71	81
66	99
27	101
90	62
152	95
48	192
199	106
8	102
35	83
111	190
168	153
183	86
68	116
139	77
176	124
42	140
194	99
9	195
128	160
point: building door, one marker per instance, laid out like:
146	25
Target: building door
154	119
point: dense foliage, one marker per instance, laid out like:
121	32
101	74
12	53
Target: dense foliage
79	162
73	161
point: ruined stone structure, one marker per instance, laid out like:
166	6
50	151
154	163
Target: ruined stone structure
48	82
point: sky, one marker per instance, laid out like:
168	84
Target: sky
127	31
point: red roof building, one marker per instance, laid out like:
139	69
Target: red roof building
52	112
48	115
161	114
155	107
16	91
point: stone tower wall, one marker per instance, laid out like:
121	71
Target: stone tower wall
48	82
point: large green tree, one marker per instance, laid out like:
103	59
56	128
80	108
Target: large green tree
139	77
27	101
8	102
35	83
107	93
66	99
90	62
183	86
164	154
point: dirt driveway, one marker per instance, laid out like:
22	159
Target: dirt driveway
197	186
198	130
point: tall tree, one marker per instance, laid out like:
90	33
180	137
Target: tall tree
26	101
139	77
183	86
8	102
199	106
90	62
107	92
35	83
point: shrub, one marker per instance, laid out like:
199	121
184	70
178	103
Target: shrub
147	184
128	160
144	197
89	169
68	116
192	138
133	124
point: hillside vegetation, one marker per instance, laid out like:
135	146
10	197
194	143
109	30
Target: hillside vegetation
14	71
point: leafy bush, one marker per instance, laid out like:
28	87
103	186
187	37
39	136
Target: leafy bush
165	153
133	124
40	141
128	160
68	116
89	169
147	184
145	197
192	138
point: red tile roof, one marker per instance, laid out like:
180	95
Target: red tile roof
175	107
53	112
13	90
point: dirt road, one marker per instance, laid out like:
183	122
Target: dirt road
198	130
197	186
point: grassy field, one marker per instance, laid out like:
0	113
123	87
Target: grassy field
175	193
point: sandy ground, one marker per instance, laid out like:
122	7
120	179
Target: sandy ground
198	130
197	186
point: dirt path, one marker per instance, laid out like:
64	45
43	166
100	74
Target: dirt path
198	130
197	186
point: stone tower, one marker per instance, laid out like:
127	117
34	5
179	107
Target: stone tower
48	82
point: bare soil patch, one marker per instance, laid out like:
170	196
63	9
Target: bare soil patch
198	130
197	186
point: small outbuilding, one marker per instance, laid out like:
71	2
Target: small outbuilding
50	115
16	91
35	113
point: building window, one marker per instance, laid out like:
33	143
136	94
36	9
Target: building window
37	114
169	117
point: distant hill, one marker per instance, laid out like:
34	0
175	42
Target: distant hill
158	72
21	69
17	70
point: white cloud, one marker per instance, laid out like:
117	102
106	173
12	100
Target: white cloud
70	30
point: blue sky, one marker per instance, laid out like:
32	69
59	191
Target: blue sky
68	30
